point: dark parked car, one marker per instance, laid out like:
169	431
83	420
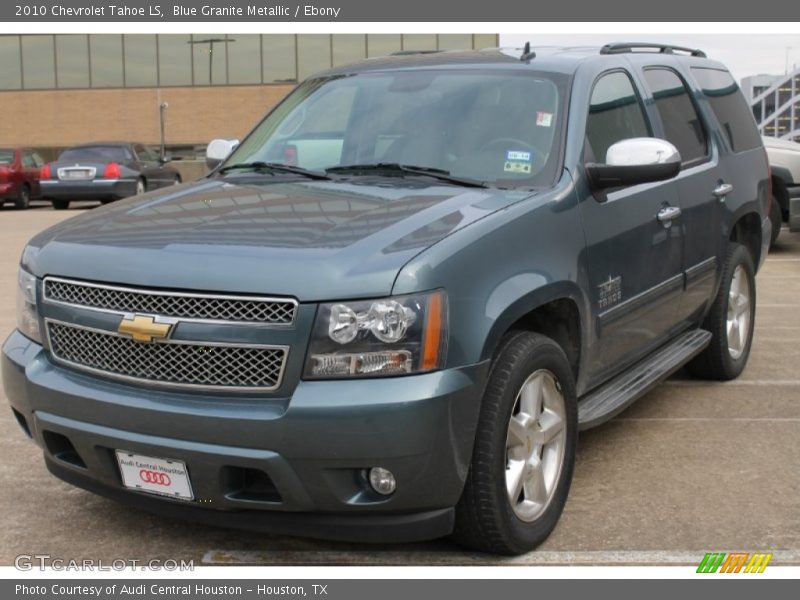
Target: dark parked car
105	171
19	176
386	315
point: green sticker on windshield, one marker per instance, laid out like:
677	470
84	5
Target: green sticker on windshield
517	162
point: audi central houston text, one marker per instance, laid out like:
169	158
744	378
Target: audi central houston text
387	312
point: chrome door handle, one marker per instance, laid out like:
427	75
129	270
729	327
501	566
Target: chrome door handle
668	213
722	190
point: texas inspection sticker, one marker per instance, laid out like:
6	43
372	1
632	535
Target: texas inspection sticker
517	162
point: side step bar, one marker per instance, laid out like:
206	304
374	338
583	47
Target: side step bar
613	397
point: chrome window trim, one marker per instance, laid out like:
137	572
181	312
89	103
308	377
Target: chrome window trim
167	384
295	304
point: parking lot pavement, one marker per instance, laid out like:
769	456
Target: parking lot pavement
693	467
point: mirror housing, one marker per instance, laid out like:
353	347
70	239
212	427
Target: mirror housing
634	161
218	150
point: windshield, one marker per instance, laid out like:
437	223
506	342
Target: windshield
96	153
499	128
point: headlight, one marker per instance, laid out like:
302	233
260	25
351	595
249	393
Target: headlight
27	318
389	336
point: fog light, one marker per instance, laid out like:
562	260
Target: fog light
382	480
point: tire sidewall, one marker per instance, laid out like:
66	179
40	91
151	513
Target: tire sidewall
24	199
739	255
526	535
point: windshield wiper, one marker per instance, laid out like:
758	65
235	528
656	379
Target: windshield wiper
275	167
398	169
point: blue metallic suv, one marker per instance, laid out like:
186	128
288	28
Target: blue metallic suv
386	315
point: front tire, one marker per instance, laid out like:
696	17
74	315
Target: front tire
731	320
524	451
23	200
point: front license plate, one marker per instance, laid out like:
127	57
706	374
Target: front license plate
162	476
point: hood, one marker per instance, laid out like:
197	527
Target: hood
779	144
314	240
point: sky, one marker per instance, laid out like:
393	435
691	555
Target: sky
744	55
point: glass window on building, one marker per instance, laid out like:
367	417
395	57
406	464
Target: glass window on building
11	73
210	58
419	41
141	63
313	54
105	55
484	40
278	59
174	60
383	44
348	48
454	41
72	61
38	62
244	59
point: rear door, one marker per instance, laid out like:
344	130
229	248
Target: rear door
30	173
634	259
679	121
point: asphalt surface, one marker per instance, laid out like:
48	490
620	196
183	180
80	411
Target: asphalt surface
692	467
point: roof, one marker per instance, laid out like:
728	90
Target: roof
563	59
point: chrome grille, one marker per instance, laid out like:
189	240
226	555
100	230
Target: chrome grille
188	306
170	363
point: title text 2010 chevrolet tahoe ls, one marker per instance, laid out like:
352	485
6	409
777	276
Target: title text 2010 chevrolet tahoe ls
386	315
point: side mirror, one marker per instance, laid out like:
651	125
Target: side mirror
634	161
218	150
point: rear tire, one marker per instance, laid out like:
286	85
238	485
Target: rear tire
141	188
23	200
731	320
510	456
60	204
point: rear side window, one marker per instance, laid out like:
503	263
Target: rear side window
682	125
728	104
615	114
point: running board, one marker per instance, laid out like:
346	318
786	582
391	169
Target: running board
618	394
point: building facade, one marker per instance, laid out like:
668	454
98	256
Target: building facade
775	100
60	90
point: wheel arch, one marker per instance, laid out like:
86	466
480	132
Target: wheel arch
746	230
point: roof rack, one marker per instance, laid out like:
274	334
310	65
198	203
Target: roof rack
622	48
410	52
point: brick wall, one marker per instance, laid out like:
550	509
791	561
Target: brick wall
59	118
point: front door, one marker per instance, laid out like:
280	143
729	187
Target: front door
634	251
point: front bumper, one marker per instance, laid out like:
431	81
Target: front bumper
313	447
95	189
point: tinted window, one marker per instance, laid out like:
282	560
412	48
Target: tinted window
278	58
37	160
72	61
97	153
106	60
11	73
141	66
244	59
682	125
27	160
38	61
175	60
615	114
313	54
6	156
729	106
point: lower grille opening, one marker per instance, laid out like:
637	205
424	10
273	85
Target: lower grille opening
252	485
23	422
61	448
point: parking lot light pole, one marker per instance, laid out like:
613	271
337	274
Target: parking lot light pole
162	115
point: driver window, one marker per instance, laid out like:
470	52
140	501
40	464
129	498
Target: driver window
615	114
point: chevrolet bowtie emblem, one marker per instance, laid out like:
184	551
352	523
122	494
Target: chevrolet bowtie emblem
144	329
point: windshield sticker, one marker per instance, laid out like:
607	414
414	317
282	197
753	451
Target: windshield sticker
517	162
544	119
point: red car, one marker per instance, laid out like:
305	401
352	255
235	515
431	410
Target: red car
19	176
